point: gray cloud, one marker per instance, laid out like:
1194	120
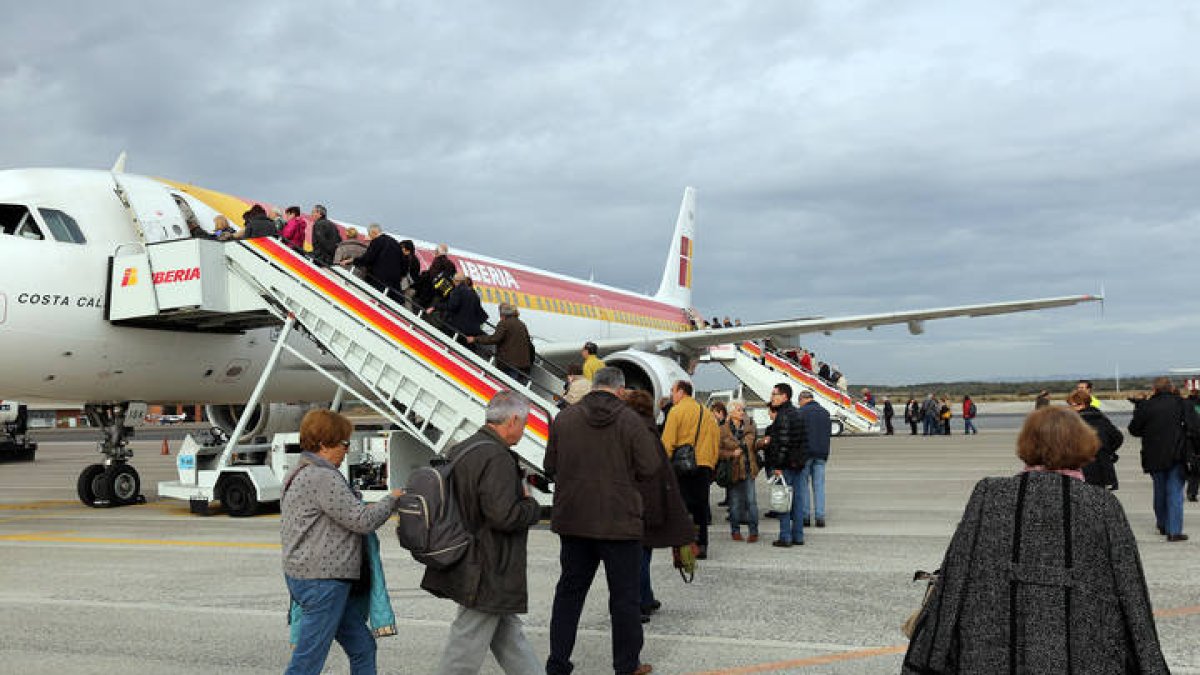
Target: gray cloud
850	156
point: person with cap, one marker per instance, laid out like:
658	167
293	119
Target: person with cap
591	362
514	350
817	430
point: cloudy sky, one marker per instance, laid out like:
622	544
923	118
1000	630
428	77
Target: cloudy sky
849	157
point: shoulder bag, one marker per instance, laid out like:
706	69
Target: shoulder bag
683	460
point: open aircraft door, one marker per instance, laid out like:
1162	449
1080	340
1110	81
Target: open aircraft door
152	210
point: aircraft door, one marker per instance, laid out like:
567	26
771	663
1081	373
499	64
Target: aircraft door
152	209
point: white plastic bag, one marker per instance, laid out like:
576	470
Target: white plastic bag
780	494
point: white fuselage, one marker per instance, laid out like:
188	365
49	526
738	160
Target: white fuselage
58	344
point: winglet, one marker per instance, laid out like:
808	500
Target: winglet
676	285
119	165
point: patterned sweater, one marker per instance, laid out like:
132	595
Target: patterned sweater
323	522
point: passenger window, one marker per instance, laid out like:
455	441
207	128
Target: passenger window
62	227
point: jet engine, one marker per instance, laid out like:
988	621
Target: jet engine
265	419
648	372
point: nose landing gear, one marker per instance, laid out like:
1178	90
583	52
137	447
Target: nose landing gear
114	482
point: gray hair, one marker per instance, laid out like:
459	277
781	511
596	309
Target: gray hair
507	309
320	208
506	405
609	377
374	227
442	249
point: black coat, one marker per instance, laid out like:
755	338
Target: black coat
665	519
1086	615
1102	471
325	240
888	411
385	263
260	226
788	439
463	311
1157	421
487	488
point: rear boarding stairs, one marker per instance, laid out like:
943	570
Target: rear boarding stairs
431	388
760	369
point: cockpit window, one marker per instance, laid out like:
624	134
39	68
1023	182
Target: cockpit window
62	227
16	220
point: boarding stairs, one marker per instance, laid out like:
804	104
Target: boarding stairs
760	369
418	377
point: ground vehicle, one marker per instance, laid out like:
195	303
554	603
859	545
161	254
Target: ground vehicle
16	443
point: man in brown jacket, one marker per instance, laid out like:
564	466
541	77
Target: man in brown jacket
514	355
489	585
597	451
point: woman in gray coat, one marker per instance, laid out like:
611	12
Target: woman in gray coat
1043	573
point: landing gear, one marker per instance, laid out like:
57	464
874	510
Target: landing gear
115	482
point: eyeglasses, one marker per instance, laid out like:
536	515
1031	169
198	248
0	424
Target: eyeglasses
345	443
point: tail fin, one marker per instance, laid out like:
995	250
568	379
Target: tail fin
676	286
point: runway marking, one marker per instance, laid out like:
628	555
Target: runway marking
808	661
1176	612
43	504
64	538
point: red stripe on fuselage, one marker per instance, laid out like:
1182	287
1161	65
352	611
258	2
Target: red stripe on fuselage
406	335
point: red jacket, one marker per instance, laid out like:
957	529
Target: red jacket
806	362
967	409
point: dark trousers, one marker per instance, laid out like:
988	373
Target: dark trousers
913	424
693	487
887	421
579	558
1193	482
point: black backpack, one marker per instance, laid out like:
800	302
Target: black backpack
430	526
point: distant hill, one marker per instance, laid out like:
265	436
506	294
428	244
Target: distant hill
1001	390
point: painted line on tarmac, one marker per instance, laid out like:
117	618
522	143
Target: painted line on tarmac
42	504
860	654
809	661
65	538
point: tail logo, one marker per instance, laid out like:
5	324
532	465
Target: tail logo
685	262
130	277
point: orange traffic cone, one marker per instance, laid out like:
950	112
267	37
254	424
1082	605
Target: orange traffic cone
166	449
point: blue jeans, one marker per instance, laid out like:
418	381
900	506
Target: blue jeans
812	475
743	506
1168	499
326	617
791	523
969	426
931	425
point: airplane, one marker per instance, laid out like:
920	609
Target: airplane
61	228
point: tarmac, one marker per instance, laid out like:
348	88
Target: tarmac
155	589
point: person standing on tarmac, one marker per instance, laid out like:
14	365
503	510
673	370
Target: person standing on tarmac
969	410
689	424
786	452
496	508
322	526
1163	422
817	431
888	413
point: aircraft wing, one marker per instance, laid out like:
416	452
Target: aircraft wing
695	341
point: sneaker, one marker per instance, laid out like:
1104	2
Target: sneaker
752	539
820	522
736	536
781	543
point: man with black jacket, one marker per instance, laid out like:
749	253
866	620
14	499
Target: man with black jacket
385	264
786	450
597	452
489	585
1164	421
325	236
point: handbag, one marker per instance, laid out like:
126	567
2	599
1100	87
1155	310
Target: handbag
684	457
910	626
779	494
684	559
723	476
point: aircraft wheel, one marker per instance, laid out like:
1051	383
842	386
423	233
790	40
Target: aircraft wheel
124	484
239	497
836	427
85	486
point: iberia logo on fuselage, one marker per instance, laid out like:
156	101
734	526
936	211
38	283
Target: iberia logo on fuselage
176	276
130	277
